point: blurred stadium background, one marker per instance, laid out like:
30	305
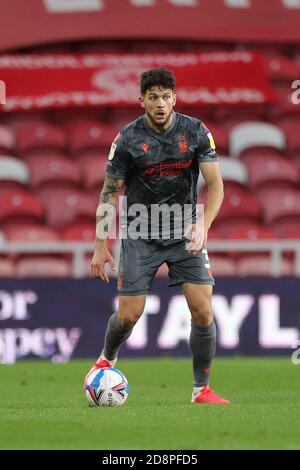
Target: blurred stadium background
71	70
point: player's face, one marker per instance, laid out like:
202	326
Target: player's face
158	103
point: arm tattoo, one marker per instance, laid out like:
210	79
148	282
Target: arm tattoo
105	215
110	188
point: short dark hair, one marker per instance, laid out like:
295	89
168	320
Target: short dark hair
156	77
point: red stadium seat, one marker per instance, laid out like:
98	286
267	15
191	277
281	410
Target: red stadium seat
271	171
53	169
255	135
260	152
222	265
86	136
205	115
42	266
251	265
40	135
16	121
297	59
213	234
11	187
227	226
7	139
93	169
65	206
13	169
281	206
31	233
122	116
238	207
20	205
291	225
291	129
79	232
59	153
82	232
296	160
233	171
229	117
284	107
6	267
70	116
287	232
252	233
234	174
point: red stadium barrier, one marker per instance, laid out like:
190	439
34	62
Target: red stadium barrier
57	81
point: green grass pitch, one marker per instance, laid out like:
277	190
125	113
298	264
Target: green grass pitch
43	406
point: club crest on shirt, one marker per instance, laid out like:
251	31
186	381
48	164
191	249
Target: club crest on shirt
145	147
182	144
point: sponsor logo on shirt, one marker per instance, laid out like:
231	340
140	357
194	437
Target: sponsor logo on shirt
211	141
167	168
112	151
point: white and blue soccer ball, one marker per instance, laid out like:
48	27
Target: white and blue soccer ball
106	387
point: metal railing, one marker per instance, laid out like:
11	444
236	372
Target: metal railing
80	249
274	247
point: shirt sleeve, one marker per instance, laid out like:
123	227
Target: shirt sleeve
118	158
206	149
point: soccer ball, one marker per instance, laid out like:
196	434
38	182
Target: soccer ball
106	387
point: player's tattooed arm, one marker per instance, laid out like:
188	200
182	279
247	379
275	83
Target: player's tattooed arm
106	209
105	217
111	187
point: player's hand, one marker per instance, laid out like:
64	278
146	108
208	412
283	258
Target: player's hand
100	258
198	237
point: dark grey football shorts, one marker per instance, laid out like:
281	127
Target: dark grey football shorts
140	260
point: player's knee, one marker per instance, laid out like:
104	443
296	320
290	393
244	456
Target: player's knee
128	319
130	310
129	313
202	315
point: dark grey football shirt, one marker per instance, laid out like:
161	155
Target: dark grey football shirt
161	169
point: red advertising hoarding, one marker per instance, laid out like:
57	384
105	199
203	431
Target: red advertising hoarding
69	80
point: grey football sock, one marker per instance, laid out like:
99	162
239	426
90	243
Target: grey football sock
115	336
203	346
